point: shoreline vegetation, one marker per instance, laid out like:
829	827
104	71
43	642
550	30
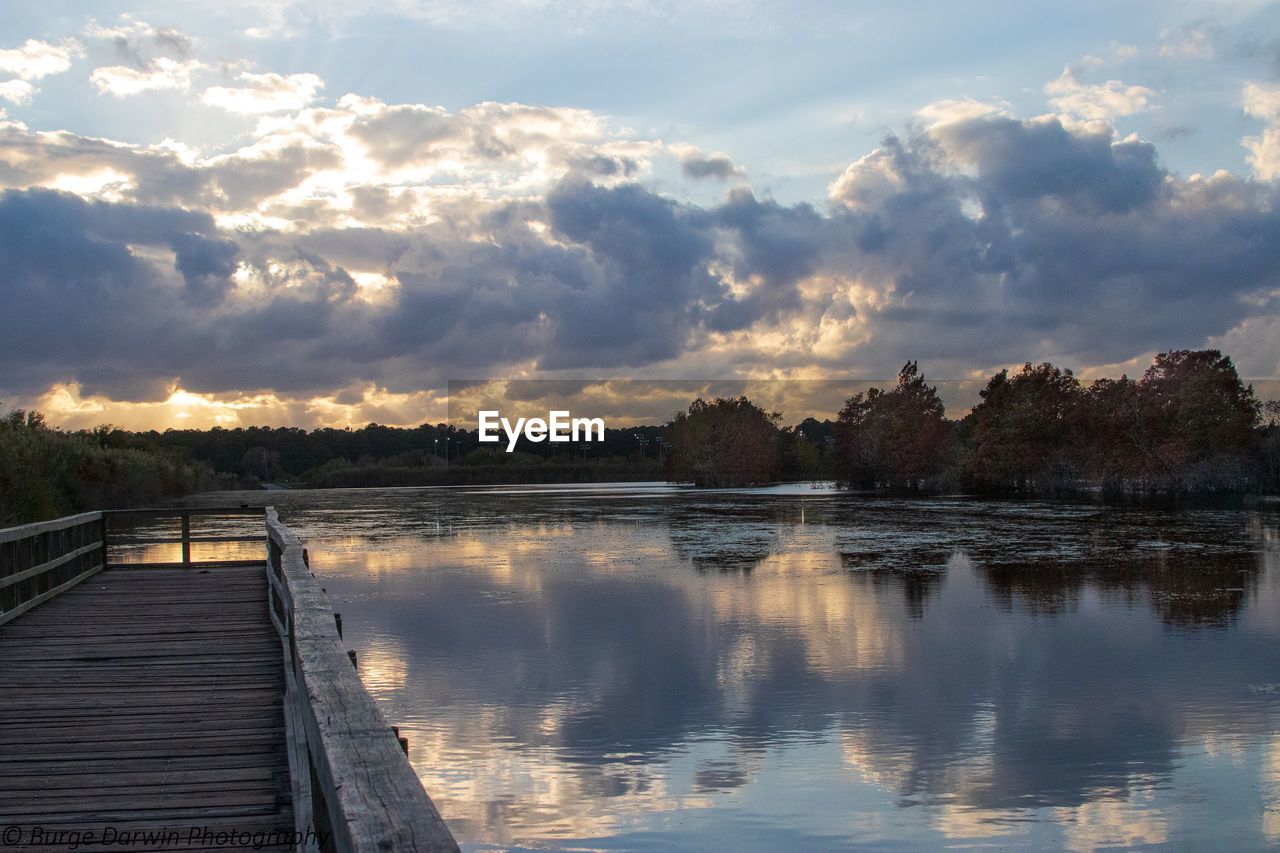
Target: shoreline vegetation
1189	426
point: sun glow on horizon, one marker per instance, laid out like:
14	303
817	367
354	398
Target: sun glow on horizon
66	407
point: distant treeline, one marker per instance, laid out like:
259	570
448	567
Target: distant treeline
1188	425
45	473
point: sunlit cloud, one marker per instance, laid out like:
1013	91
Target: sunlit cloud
1097	102
123	81
265	93
34	60
1263	101
67	407
947	112
137	43
105	183
17	91
37	59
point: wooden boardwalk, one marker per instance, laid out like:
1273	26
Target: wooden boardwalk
188	706
146	699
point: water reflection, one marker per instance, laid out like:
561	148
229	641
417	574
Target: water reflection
763	671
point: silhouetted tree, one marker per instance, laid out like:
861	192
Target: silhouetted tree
1109	442
1195	425
897	438
1022	433
725	443
1269	447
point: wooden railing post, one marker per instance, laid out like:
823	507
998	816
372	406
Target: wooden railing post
102	534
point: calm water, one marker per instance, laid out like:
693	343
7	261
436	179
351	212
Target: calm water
641	668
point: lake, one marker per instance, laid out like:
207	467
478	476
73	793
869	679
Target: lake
640	667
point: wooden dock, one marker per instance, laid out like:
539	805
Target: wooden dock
188	705
146	699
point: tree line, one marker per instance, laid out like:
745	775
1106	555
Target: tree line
1188	425
46	472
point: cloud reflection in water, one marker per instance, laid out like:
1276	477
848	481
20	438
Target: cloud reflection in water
760	671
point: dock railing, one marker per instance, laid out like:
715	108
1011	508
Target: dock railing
184	536
38	561
352	783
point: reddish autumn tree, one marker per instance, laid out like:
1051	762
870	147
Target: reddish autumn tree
1196	419
1110	442
1188	424
1269	447
896	438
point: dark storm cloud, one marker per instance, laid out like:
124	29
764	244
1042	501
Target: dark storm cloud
138	46
1028	162
647	282
697	167
605	167
82	304
621	289
1004	240
778	246
37	213
206	265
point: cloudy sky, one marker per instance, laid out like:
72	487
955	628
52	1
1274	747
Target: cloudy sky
308	213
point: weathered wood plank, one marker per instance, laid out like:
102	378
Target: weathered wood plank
64	765
169	645
110	776
229	563
242	793
123	709
118	709
109	632
176	512
173	813
178	540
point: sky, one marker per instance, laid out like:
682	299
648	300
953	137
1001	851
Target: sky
318	214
